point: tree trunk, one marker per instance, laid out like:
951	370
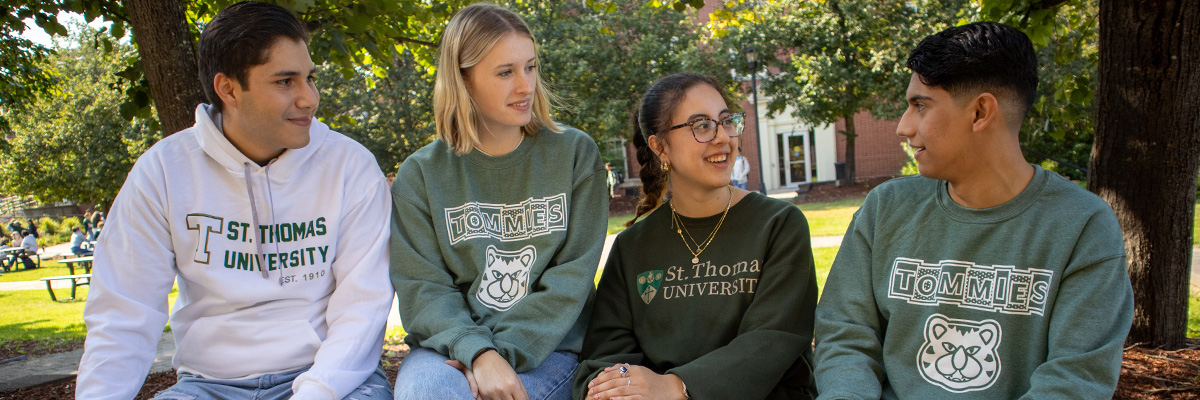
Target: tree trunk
851	134
168	53
1147	151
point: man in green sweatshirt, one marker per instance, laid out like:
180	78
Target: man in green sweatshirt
984	277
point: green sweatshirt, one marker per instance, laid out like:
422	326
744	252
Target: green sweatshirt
499	252
736	325
929	300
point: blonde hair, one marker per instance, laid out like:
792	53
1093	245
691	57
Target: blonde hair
469	36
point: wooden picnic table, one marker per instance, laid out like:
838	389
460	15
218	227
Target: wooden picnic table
85	262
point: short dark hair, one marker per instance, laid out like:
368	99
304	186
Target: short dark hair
979	57
238	38
74	229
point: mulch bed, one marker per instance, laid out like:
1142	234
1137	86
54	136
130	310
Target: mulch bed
1160	374
1145	374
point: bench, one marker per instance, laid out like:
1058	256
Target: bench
75	283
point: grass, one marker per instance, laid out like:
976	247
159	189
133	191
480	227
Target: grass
617	224
1193	329
1196	226
832	218
823	261
31	316
49	268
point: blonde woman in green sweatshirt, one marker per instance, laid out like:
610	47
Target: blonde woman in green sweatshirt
497	226
711	295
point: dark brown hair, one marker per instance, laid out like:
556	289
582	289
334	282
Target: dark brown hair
238	38
653	116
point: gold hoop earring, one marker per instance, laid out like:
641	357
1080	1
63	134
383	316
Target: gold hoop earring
666	167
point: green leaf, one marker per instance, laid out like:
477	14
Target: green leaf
118	30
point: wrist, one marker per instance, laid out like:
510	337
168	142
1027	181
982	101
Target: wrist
682	388
481	352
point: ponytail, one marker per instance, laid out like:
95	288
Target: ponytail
653	177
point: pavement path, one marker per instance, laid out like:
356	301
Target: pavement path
29	372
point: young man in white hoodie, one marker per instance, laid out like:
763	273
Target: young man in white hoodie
274	227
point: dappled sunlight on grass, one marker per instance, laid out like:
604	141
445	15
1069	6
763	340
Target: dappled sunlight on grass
31	315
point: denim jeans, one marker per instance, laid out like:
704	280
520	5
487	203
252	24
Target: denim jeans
266	387
424	375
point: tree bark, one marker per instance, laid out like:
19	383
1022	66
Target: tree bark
1147	152
168	52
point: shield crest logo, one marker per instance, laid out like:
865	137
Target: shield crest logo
648	284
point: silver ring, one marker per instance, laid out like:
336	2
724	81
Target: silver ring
624	370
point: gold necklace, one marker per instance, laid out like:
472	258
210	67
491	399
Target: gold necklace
700	247
510	151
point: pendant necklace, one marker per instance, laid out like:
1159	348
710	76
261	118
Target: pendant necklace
700	247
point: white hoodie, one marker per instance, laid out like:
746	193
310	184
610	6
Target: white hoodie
187	210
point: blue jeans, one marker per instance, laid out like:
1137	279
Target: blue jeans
739	184
274	386
425	375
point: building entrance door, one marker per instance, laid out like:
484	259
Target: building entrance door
793	158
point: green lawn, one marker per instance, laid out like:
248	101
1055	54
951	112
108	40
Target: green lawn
1193	329
1196	226
832	218
49	268
30	315
617	224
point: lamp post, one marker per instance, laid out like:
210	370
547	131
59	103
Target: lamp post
752	59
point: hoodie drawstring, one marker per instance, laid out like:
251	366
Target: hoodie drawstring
258	255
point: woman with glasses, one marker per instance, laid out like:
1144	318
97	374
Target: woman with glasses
497	225
711	295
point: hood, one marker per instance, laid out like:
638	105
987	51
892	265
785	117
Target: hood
214	143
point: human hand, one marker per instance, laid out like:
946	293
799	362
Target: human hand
636	382
470	376
496	379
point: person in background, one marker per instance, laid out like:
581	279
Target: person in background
78	239
612	179
498	225
29	248
741	172
711	296
33	229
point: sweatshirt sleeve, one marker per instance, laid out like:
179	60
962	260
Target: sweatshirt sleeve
609	338
430	304
359	305
776	329
1090	319
527	333
849	346
126	309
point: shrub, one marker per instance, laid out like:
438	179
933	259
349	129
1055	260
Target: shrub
910	166
47	226
70	222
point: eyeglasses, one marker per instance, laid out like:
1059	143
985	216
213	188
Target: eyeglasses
704	129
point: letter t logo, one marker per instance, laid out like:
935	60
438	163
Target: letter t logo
204	225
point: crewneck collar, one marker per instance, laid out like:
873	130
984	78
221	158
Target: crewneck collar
1004	211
